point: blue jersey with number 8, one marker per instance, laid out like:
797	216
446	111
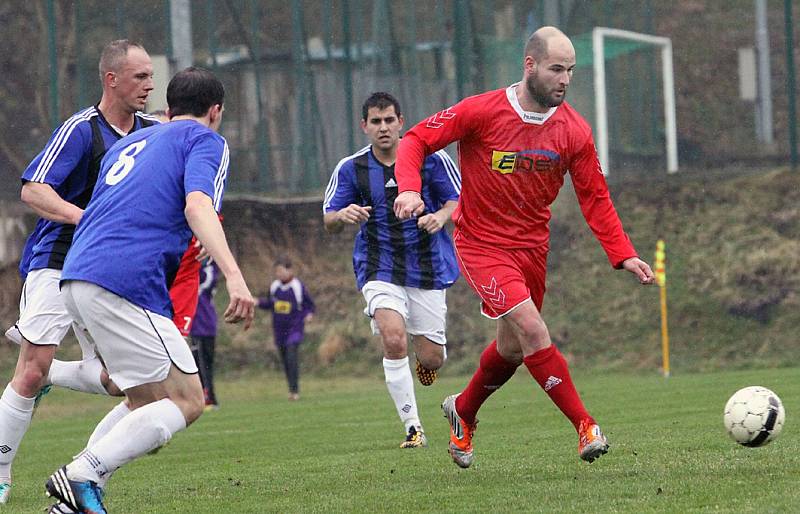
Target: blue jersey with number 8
133	233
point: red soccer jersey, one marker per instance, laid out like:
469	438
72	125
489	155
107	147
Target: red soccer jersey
513	164
185	289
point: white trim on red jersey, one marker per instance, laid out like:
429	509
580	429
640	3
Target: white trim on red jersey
536	118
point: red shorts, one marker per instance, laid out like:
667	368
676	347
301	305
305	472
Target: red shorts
503	278
185	289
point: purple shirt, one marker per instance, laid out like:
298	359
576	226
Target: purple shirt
205	318
290	303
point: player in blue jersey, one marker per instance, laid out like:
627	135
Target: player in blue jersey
156	187
402	267
57	184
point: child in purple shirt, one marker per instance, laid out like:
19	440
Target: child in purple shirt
291	307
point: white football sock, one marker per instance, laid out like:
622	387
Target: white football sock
15	417
106	424
144	429
81	376
401	388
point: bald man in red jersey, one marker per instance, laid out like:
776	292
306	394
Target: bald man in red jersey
515	146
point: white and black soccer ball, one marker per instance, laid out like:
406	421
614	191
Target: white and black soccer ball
754	416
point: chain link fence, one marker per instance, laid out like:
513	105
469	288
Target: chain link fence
297	72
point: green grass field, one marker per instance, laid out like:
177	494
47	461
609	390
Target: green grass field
336	450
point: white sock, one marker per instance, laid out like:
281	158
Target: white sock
401	388
15	417
81	376
106	424
144	429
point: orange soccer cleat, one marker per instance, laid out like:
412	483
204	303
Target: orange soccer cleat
460	433
591	441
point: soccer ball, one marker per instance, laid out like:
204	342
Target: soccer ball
754	416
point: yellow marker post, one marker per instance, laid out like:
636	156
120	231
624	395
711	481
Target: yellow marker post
661	280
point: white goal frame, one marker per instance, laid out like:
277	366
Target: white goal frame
601	107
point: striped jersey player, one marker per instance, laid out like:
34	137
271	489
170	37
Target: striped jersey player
402	267
58	184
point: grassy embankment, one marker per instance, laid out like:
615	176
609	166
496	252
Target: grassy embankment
733	276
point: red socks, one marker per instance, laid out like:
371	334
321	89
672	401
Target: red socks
549	368
493	371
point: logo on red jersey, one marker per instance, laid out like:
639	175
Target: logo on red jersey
532	161
438	119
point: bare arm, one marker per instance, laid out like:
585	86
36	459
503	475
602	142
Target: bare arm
203	221
44	200
351	215
434	222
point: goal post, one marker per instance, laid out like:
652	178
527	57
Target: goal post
599	34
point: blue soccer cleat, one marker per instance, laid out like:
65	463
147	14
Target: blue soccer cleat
84	497
5	490
60	508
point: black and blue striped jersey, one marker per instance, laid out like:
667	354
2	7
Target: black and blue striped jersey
386	248
69	162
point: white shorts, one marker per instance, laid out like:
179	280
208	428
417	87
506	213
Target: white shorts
423	310
137	346
43	319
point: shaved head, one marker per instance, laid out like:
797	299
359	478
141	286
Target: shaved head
541	40
547	68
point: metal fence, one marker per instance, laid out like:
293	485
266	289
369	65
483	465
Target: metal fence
297	71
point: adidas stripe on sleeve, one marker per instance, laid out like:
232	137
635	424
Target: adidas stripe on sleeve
62	153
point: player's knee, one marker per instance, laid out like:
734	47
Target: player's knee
534	332
395	343
29	380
